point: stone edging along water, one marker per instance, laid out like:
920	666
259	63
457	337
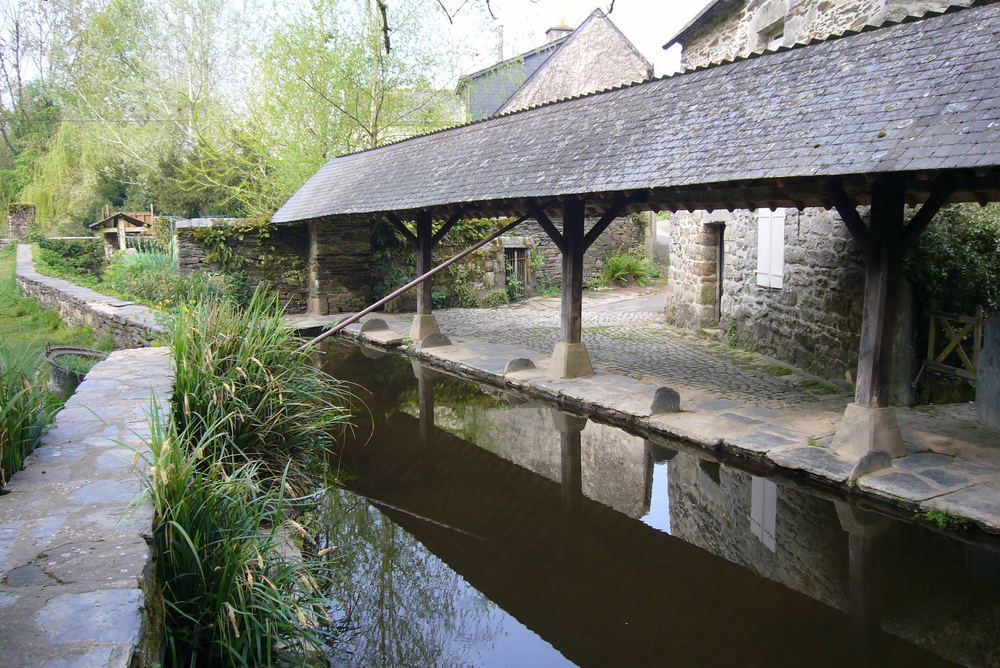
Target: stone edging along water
128	324
76	572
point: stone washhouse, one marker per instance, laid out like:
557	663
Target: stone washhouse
839	124
788	281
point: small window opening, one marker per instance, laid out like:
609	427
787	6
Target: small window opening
516	262
774	37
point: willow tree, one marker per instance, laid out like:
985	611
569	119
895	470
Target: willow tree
324	86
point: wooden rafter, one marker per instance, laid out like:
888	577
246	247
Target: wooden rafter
401	228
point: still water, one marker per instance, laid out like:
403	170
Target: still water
483	529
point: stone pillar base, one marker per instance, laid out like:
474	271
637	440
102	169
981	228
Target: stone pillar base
424	324
571	360
863	430
318	306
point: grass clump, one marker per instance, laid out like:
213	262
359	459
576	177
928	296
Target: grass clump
236	592
627	268
941	519
26	407
250	421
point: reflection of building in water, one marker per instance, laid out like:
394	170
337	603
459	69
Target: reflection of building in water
615	468
779	533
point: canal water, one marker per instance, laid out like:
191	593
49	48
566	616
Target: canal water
477	528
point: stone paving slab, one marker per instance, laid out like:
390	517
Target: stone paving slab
724	405
75	563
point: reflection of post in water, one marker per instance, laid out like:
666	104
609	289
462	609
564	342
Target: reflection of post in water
570	427
425	399
864	530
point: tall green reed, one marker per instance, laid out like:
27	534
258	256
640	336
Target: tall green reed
241	366
251	420
26	408
238	591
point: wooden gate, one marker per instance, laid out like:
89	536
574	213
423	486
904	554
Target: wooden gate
963	340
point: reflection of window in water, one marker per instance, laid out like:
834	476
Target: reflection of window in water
763	510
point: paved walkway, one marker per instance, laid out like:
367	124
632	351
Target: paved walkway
75	566
744	403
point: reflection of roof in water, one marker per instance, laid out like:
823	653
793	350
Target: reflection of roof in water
600	587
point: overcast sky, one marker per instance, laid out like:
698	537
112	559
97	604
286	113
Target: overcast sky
648	23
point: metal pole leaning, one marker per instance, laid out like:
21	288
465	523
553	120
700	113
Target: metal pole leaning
398	291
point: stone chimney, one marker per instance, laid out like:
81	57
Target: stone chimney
559	31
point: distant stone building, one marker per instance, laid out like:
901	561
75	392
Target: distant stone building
787	282
595	56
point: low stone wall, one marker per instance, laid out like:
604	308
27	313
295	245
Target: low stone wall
278	260
129	325
77	585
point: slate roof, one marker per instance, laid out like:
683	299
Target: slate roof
921	95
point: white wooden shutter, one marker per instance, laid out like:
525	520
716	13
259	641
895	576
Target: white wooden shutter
770	247
764	511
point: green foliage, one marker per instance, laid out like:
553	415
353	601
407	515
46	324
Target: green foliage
627	268
515	288
941	519
235	593
957	259
77	363
85	258
242	364
25	408
548	288
27	326
734	340
439	299
496	298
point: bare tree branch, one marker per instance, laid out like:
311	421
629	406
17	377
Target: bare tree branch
383	10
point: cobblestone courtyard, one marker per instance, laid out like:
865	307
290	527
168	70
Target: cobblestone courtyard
639	344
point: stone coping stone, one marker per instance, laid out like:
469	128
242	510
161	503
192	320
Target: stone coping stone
76	570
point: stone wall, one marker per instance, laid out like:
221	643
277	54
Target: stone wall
814	320
692	285
710	506
20	218
624	234
77	583
278	261
738	33
339	261
129	325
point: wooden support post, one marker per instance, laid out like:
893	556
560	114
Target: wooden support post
572	270
424	324
884	271
869	430
425	244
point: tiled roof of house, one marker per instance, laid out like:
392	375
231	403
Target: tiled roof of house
921	95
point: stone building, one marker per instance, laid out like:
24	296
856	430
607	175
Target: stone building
595	56
788	282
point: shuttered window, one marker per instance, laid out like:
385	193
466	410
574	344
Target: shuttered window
764	511
770	247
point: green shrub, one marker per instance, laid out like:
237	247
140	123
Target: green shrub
69	259
496	298
629	268
251	420
957	259
242	364
153	278
25	408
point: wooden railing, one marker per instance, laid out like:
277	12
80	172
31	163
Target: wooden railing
961	332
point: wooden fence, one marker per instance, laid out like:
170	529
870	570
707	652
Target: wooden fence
958	351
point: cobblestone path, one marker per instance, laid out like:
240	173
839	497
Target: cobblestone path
639	345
